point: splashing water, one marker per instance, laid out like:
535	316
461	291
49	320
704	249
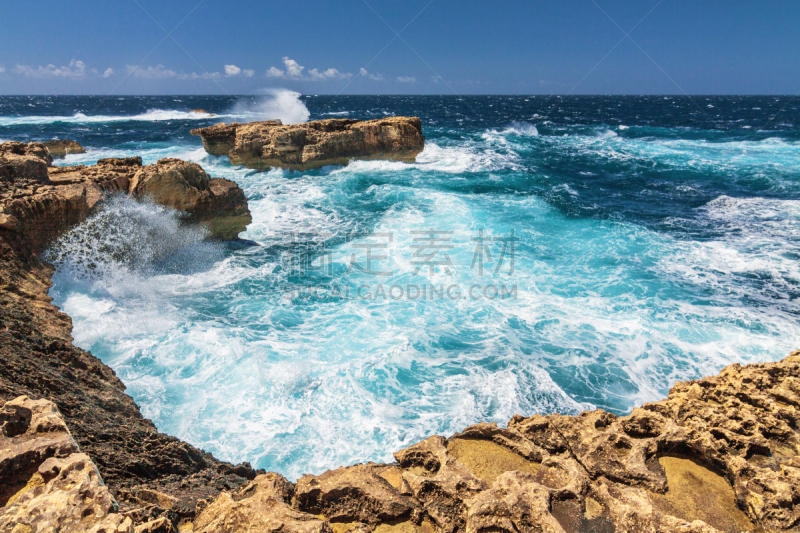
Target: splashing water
281	104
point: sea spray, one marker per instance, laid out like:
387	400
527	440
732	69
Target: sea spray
281	104
132	237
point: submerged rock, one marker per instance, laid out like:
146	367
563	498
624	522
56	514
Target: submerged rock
268	144
59	149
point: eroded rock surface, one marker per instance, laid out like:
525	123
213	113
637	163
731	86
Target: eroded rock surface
39	202
270	144
719	455
46	484
60	148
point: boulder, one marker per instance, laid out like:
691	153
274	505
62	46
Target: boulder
46	484
270	144
218	203
354	494
263	505
60	148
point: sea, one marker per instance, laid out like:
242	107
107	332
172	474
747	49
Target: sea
544	254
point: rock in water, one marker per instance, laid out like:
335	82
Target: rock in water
39	202
60	148
270	144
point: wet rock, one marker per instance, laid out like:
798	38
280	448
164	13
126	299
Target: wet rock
270	144
61	148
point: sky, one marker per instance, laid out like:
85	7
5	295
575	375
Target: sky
400	47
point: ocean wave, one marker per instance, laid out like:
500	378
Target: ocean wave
153	115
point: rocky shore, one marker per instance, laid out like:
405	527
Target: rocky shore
719	454
270	144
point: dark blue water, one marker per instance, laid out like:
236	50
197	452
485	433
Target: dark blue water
655	239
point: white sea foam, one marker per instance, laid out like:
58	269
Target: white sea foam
281	104
153	115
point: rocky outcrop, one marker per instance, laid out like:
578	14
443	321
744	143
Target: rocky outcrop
59	149
218	203
46	484
720	454
270	144
37	204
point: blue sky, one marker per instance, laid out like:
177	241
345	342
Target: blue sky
443	47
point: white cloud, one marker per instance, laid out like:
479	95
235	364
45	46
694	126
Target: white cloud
2	69
158	72
376	77
75	69
108	73
406	79
248	73
203	76
275	73
330	74
232	70
295	71
293	68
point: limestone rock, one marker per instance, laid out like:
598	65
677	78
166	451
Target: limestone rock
258	507
60	148
45	483
354	494
218	203
268	144
23	164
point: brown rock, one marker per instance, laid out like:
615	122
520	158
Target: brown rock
262	145
218	203
354	494
257	507
45	483
59	149
23	164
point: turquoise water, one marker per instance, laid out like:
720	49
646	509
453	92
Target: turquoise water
656	239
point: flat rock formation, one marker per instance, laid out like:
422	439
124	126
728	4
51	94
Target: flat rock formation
59	149
720	454
270	144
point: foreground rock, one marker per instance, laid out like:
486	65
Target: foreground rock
46	484
270	144
720	454
59	149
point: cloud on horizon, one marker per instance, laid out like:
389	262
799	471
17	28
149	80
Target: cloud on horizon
375	77
76	69
294	71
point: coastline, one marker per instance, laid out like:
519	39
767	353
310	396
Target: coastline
592	470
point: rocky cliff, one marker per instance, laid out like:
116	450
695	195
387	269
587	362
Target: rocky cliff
270	144
37	204
720	454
